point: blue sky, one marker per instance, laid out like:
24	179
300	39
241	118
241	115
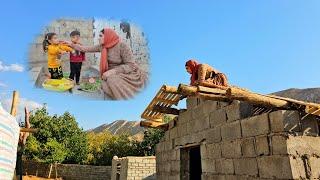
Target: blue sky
265	46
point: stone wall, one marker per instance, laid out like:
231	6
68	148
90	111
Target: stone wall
67	171
234	144
134	168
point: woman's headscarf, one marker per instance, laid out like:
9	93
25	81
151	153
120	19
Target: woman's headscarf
194	66
110	39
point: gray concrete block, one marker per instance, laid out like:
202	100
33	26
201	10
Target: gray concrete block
191	127
213	135
185	117
191	102
256	125
208	165
262	145
285	121
224	166
230	131
238	110
246	166
218	118
202	123
231	149
213	151
248	147
279	144
274	167
173	133
310	125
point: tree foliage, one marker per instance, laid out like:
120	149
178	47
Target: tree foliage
59	139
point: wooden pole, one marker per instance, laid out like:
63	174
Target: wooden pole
15	101
29	130
170	89
49	175
187	90
206	84
243	95
211	90
154	124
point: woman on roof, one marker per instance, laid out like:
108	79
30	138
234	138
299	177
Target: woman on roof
205	75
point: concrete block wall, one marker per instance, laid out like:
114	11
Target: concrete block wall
236	145
67	171
134	168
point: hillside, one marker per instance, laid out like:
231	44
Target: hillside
309	94
121	126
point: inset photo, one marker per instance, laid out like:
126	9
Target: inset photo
98	59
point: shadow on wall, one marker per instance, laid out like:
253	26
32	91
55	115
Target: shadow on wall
151	177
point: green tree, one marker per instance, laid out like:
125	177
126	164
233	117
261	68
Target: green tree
95	143
119	145
150	139
59	139
103	146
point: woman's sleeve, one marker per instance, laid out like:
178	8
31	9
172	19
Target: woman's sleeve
96	48
127	60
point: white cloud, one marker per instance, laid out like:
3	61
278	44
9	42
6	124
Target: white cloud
11	67
3	85
23	102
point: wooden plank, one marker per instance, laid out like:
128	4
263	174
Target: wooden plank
167	96
30	130
154	124
166	101
213	97
206	84
170	89
313	110
187	90
294	101
211	90
162	101
257	99
146	112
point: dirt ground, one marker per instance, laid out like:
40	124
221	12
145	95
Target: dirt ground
38	178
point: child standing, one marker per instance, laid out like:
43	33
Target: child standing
55	49
76	58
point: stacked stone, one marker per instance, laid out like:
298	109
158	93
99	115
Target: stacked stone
236	145
134	168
